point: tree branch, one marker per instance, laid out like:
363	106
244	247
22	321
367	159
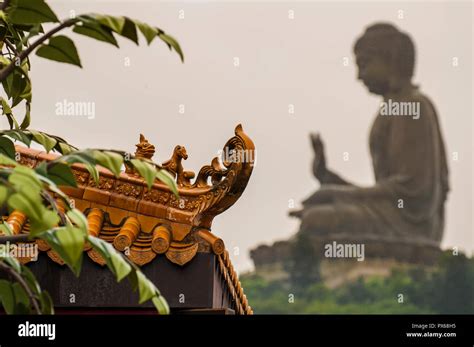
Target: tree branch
10	67
22	283
11	47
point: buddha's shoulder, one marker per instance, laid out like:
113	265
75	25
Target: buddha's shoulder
417	96
420	101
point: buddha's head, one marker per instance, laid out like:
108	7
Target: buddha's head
385	58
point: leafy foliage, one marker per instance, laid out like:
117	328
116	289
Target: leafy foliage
60	48
25	295
35	192
30	12
21	21
446	289
303	262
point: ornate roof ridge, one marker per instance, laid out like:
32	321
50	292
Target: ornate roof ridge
200	201
145	223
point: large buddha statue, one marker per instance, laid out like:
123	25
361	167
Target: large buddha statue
406	203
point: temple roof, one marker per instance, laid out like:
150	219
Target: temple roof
148	223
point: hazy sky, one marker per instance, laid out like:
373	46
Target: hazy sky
282	62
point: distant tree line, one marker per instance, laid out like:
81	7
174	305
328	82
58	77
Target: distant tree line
446	289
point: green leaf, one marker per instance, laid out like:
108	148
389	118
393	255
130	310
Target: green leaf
30	12
160	304
24	27
145	170
121	25
33	31
7	148
59	139
46	302
3	28
115	261
4	160
6	108
85	157
20	295
99	245
3	194
42	170
165	177
71	241
28	199
26	91
14	263
68	242
25	180
171	42
93	172
26	121
109	160
30	279
15	32
47	221
19	135
22	203
78	218
114	23
4	61
132	278
20	87
46	141
95	31
60	48
130	30
146	288
6	229
64	148
52	187
148	32
7	297
122	268
62	175
12	121
7	82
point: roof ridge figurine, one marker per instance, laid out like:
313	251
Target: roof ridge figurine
175	167
144	148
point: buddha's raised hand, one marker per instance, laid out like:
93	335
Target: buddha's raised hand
319	162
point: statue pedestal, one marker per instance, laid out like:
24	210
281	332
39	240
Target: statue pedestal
365	258
411	252
336	272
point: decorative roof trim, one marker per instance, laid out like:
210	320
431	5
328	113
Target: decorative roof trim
143	223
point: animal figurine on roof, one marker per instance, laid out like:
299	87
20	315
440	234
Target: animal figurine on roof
175	167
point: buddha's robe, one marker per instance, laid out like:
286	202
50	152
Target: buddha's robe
407	201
